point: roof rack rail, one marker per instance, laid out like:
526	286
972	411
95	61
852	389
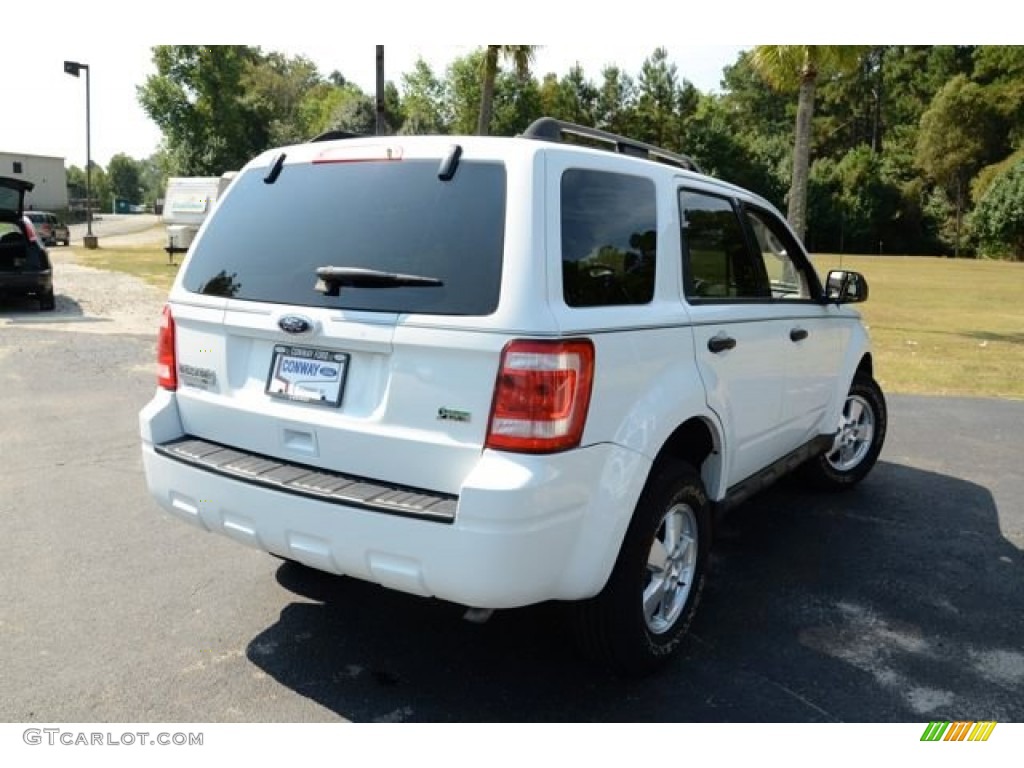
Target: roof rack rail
332	135
550	129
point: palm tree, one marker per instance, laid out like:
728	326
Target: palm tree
781	66
521	56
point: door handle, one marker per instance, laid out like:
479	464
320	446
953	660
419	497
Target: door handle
798	334
721	343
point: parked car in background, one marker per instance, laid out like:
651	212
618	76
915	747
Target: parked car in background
25	268
42	224
61	232
50	228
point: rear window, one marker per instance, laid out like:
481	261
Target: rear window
9	199
265	242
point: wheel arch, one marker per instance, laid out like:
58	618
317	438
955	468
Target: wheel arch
697	442
866	365
857	359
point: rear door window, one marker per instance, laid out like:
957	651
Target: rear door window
266	241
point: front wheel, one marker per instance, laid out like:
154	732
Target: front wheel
640	617
862	426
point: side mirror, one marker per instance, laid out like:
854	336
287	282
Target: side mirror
844	287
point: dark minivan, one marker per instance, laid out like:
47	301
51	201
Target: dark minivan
25	268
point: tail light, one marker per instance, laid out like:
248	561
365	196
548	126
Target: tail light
30	230
541	396
166	359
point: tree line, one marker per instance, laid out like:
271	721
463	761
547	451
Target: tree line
870	149
136	181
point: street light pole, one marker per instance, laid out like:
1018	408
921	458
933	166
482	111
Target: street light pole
380	91
88	159
74	68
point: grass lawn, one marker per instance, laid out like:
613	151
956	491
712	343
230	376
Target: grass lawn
148	262
943	326
939	326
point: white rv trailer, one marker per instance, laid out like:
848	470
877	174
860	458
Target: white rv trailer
186	205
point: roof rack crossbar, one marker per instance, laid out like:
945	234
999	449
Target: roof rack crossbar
550	129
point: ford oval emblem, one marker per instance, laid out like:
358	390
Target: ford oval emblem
295	324
328	372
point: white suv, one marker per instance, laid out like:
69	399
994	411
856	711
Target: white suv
500	371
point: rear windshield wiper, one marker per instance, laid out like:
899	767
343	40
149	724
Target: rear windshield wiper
332	278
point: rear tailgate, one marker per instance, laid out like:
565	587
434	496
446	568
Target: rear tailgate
387	382
413	402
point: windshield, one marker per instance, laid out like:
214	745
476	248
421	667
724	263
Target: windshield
265	242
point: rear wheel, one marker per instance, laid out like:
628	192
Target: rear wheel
862	426
642	614
46	301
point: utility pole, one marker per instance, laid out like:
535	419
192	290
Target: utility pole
380	90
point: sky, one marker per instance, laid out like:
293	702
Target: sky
118	123
114	38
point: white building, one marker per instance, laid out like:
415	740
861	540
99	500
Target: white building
47	173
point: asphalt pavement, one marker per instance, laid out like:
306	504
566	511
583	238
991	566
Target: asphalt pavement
899	601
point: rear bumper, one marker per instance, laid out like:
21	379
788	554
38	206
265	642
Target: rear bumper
23	283
312	482
526	529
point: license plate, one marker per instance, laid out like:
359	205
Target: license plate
308	375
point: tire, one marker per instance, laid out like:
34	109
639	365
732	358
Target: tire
640	617
862	427
46	302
